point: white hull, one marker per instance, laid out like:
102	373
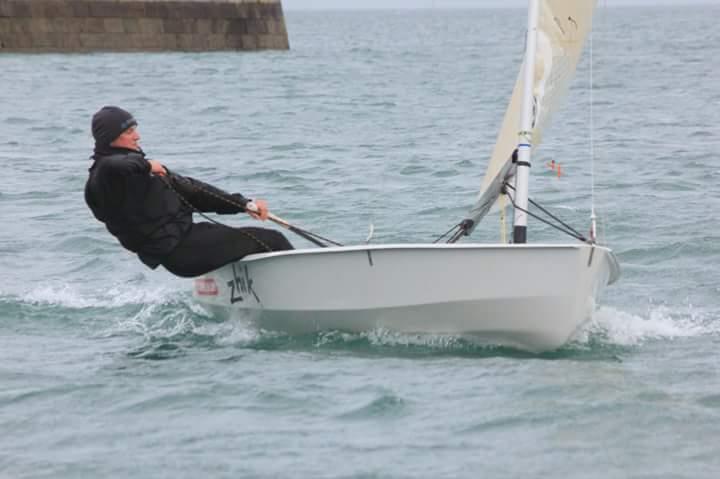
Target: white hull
532	297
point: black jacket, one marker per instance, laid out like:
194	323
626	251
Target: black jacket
149	214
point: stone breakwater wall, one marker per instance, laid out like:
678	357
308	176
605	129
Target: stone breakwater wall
141	25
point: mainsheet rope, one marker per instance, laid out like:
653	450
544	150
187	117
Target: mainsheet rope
195	210
312	237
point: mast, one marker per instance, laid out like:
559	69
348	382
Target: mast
526	125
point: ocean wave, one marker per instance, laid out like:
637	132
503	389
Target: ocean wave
385	405
16	120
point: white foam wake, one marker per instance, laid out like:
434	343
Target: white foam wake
70	296
166	310
615	327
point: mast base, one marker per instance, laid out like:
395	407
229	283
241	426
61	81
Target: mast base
520	234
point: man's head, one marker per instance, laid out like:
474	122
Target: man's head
113	126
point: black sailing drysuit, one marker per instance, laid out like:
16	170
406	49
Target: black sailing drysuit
147	214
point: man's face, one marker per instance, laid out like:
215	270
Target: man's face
129	139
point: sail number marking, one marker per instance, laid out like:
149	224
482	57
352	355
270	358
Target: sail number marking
241	285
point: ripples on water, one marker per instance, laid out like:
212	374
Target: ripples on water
372	117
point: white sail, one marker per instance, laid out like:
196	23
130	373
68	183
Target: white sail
563	27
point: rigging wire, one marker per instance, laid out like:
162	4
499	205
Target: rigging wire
568	230
459	230
575	232
593	217
373	208
600	21
451	231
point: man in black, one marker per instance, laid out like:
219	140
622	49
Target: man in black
149	210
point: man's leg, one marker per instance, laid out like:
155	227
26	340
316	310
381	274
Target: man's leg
209	246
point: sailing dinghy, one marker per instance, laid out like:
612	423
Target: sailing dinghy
518	294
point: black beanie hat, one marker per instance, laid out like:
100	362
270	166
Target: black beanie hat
109	123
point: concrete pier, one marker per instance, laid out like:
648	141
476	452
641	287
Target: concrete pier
141	25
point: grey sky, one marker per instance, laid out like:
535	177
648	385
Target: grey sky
362	4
